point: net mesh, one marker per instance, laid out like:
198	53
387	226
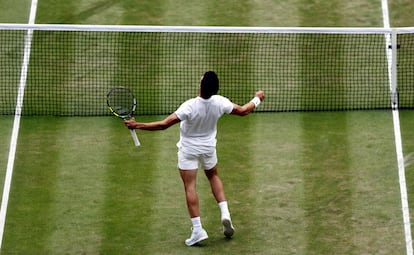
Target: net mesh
405	63
71	72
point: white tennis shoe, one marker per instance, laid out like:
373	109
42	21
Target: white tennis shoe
196	237
228	229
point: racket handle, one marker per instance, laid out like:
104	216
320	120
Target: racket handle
135	137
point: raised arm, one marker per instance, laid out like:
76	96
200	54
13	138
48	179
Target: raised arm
153	126
250	106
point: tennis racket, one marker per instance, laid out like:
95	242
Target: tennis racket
122	103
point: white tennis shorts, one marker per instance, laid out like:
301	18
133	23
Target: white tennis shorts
191	162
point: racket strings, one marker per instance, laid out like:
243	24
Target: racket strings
121	101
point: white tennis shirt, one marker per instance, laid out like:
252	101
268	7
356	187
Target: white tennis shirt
198	127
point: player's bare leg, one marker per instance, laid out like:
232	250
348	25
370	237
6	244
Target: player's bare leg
218	192
198	234
189	178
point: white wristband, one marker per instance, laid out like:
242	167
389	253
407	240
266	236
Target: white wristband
256	101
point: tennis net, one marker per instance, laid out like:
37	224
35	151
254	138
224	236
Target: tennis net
72	67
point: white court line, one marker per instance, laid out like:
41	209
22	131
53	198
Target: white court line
392	77
16	124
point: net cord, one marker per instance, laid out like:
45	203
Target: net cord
205	29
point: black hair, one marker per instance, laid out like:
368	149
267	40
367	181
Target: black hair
209	84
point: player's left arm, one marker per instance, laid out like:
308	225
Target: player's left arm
153	126
250	106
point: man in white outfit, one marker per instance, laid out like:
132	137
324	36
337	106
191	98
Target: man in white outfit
198	128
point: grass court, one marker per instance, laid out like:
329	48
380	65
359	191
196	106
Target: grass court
297	183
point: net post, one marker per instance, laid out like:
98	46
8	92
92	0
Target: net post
394	91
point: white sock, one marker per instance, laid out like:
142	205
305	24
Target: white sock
196	223
224	209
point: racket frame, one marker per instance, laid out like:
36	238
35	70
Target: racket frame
125	117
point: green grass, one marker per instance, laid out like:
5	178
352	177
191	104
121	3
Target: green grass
297	183
16	11
407	132
311	185
400	13
214	12
6	124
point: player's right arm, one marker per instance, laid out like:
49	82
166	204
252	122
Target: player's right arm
248	107
152	126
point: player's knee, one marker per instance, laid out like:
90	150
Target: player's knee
211	173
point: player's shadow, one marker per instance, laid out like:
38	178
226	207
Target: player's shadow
213	241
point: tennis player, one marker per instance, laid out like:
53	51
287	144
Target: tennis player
197	145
